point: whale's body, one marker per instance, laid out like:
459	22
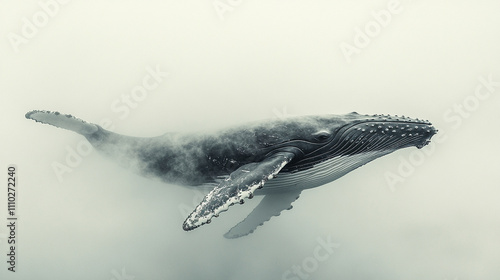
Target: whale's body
277	158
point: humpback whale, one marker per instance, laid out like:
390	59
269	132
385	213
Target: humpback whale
275	158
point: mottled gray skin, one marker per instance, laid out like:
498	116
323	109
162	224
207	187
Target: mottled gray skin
277	158
197	159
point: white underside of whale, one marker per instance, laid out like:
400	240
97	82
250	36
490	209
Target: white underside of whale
321	173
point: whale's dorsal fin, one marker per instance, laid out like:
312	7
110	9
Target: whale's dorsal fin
271	205
239	185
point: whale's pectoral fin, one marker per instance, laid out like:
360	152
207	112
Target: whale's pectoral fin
239	185
271	205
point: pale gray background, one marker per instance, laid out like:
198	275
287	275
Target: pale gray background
266	59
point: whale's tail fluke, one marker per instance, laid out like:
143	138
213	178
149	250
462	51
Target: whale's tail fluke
63	121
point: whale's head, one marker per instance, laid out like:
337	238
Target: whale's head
360	138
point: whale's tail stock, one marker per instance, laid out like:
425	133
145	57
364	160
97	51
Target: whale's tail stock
63	121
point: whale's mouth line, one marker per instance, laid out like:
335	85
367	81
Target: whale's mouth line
340	131
377	135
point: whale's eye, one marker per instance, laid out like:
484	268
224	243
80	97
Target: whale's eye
322	135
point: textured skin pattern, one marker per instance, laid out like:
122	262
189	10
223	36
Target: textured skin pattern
304	152
241	184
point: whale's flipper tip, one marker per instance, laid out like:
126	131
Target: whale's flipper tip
63	121
240	184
